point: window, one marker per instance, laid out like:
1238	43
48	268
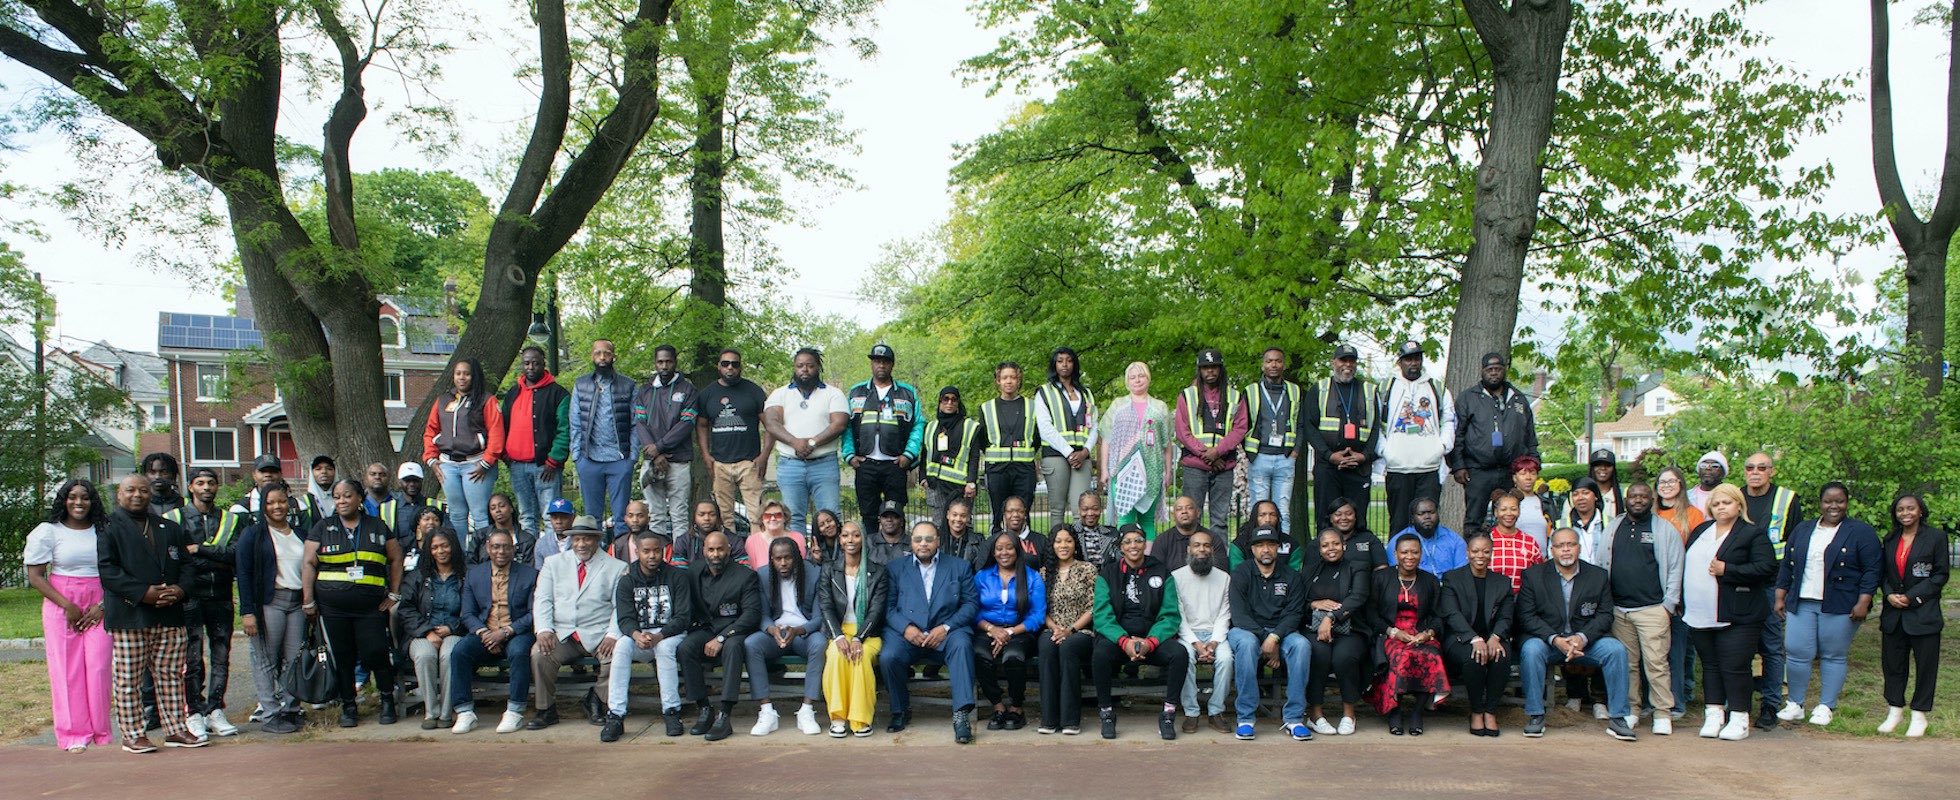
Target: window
391	333
1656	404
210	382
214	446
160	414
392	388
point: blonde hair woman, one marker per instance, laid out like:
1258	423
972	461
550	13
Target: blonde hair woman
1725	582
1136	448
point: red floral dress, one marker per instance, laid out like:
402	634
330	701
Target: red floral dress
1415	669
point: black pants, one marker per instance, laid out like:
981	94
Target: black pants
1582	684
1060	668
1169	654
878	481
1330	483
1476	498
357	631
1012	662
1727	662
1004	480
1894	648
209	625
1404	489
1343	657
1485	682
694	663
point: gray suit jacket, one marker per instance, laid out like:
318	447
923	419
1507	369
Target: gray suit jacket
563	606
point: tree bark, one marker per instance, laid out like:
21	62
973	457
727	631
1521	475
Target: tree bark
1526	42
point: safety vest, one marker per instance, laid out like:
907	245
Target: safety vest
227	526
1255	400
342	551
1194	415
1779	516
388	510
999	452
1366	408
886	426
942	460
1052	396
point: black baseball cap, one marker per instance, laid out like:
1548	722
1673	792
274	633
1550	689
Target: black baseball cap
323	457
1210	357
1409	348
1265	533
266	461
1346	351
1602	456
891	508
882	352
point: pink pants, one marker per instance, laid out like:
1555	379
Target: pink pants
78	667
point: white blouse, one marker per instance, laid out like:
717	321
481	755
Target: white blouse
68	552
1698	588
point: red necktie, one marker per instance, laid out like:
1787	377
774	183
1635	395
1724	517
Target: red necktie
581	574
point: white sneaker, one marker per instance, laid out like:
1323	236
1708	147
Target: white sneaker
1632	720
465	722
765	721
1918	726
1574	704
1321	726
219	725
195	722
1663	726
1893	716
1791	712
1737	729
806	720
510	723
1821	715
1711	721
839	729
1600	713
1347	727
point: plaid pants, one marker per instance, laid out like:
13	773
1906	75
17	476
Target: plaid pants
160	652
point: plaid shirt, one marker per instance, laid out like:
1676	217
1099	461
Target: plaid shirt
1511	555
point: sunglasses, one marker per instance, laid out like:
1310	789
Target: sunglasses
731	363
1755	468
774	515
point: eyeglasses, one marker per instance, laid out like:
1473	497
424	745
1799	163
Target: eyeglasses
1755	468
731	363
774	515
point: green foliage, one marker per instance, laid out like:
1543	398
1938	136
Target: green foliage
417	229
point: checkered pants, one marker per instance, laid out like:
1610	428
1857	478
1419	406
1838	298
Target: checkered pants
159	651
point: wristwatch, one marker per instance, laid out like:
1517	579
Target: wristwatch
720	639
395	596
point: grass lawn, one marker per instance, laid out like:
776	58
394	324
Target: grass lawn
20	613
1861	707
23	699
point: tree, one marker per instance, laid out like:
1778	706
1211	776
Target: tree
203	83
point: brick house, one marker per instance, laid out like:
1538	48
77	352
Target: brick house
1647	404
225	410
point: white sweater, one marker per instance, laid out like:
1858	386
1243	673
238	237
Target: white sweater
1204	601
1418	425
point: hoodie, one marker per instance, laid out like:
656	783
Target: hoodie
538	417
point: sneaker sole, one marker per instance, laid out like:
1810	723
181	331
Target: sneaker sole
1620	737
139	750
1530	735
1243	737
200	743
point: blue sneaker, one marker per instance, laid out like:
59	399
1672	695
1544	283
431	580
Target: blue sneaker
1245	732
1299	732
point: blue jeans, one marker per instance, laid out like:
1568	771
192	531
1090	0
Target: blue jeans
469	500
1295	655
1770	683
1607	654
1270	477
533	492
470	654
804	482
605	486
1681	662
1810	633
898	656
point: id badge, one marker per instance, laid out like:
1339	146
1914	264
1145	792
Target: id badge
1275	441
1496	438
409	562
1348	432
945	442
355	573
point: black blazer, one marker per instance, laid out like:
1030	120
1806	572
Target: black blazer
832	597
1356	587
1543	612
1924	579
257	568
1460	605
130	564
1742	594
1429	601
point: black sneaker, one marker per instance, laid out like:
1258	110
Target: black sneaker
722	729
614	726
1108	723
1617	728
898	722
963	726
997	721
1766	719
673	716
703	722
1167	725
1015	721
544	719
1534	727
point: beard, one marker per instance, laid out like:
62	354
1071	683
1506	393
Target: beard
807	385
603	371
1568	563
1427	531
1201	567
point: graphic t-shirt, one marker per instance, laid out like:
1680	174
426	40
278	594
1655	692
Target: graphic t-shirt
734	415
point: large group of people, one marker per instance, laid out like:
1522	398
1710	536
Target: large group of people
1620	584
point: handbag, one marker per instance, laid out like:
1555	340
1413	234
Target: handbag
309	676
1342	627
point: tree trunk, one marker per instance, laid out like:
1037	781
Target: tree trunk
1926	309
707	261
1526	43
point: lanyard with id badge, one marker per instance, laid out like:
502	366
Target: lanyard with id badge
1275	421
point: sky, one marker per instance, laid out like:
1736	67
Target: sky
911	111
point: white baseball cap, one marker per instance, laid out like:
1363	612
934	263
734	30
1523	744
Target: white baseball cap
409	469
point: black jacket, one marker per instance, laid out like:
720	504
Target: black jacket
1355	584
257	564
832	594
418	602
1385	595
637	594
1266	605
130	564
1154	581
1925	576
1460	605
1477	413
1543	612
1742	594
216	536
729	604
664	418
525	541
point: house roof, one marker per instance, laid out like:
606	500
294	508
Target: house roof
101	436
1646	383
428	333
142	374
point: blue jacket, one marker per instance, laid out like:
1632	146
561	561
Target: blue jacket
766	575
476	597
987	585
584	416
1441	554
954	602
1850	565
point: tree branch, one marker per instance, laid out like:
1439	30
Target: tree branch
547	132
1885	158
1493	24
348	112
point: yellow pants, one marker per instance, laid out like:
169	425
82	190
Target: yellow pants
850	690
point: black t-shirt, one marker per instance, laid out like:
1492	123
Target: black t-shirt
734	415
1635	577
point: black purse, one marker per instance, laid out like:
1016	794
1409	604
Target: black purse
309	676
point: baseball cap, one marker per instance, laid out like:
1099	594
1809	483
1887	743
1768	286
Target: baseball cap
323	457
891	508
1129	527
1210	357
882	352
1346	351
1493	358
202	472
563	506
1602	456
266	461
408	469
1265	533
1409	348
585	524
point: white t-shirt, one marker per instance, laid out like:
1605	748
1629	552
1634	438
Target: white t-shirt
804	418
792	617
1531	520
1698	588
290	549
67	552
1813	562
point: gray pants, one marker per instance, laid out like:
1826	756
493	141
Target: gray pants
1221	677
282	628
667	497
761	648
432	675
1213	491
1065	484
665	655
938	497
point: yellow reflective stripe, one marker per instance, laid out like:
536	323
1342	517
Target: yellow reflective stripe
1255	407
1058	408
341	577
1330	424
997	454
1195	418
956	471
359	555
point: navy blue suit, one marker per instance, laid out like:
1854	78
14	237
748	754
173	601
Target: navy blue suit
954	605
470	652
